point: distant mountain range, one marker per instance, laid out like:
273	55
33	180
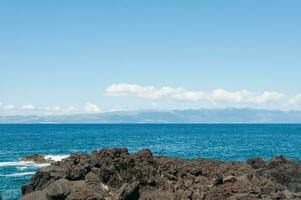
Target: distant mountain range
173	116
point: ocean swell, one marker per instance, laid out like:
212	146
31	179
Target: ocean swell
18	174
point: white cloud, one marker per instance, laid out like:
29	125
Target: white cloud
147	92
246	97
116	108
28	107
190	95
58	110
179	93
72	108
52	110
150	92
91	108
8	107
296	100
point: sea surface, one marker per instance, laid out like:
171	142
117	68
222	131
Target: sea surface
236	142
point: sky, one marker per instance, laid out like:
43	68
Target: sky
71	56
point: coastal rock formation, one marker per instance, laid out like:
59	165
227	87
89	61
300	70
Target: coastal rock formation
36	159
114	174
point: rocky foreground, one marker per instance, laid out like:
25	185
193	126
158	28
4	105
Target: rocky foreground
114	174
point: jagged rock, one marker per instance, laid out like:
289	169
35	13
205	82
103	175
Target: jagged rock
37	195
85	195
60	188
92	179
114	174
35	158
76	186
256	163
229	179
128	192
295	183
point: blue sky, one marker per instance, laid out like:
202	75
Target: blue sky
63	56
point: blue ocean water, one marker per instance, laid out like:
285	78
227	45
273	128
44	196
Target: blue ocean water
215	141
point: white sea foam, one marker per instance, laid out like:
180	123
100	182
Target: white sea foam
22	168
19	163
19	174
23	164
55	157
42	165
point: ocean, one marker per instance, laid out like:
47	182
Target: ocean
235	142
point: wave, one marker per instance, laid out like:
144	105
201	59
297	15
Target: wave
33	165
22	168
55	157
19	174
24	164
18	163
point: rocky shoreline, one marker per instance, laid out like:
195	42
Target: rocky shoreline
114	174
40	159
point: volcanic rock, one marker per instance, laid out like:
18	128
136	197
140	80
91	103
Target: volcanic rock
114	174
35	158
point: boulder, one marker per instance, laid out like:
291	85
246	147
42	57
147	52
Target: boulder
58	189
37	195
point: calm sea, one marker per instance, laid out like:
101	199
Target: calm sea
223	142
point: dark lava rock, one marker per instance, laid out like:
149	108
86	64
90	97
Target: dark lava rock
35	158
114	174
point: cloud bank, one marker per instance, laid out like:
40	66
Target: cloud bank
177	98
218	96
179	93
29	109
91	108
